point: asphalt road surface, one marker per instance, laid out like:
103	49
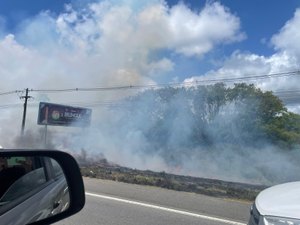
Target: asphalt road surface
112	203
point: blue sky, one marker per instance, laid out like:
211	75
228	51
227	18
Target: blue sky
259	19
214	39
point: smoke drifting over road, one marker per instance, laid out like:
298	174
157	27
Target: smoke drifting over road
184	135
116	43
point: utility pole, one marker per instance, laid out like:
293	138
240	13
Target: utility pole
26	97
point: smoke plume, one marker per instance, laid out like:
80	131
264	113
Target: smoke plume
121	43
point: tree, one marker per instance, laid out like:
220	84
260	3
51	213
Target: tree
212	115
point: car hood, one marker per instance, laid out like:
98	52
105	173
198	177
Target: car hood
281	200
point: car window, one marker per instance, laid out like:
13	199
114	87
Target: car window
57	170
18	176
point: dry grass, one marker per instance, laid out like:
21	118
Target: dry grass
204	186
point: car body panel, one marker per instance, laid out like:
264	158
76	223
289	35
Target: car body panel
281	201
36	207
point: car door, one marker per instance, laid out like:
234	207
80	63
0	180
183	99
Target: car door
37	189
61	196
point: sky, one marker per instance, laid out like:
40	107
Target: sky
56	44
68	44
250	27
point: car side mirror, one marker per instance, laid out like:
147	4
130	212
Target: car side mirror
39	186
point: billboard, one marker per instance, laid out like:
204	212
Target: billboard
62	115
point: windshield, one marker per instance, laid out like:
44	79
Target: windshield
187	96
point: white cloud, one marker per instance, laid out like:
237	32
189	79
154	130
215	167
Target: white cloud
88	47
16	63
38	33
106	43
295	108
288	37
197	34
240	65
163	65
285	59
156	26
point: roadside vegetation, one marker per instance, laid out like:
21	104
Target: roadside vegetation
211	187
239	132
255	118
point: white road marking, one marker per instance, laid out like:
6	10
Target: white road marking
166	209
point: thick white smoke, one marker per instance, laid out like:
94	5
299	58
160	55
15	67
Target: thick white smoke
119	43
105	43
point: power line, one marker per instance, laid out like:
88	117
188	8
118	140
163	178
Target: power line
10	92
286	99
10	106
287	92
98	88
179	84
284	94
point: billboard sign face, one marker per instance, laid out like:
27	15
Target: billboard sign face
62	115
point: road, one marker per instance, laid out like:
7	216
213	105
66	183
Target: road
112	203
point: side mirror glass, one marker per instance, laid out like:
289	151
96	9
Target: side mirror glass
38	186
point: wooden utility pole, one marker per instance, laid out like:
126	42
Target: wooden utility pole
26	97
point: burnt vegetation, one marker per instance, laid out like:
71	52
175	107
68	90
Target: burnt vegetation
211	187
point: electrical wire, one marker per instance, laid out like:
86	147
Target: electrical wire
283	94
179	84
10	106
10	92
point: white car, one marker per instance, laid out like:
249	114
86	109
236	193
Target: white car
277	205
